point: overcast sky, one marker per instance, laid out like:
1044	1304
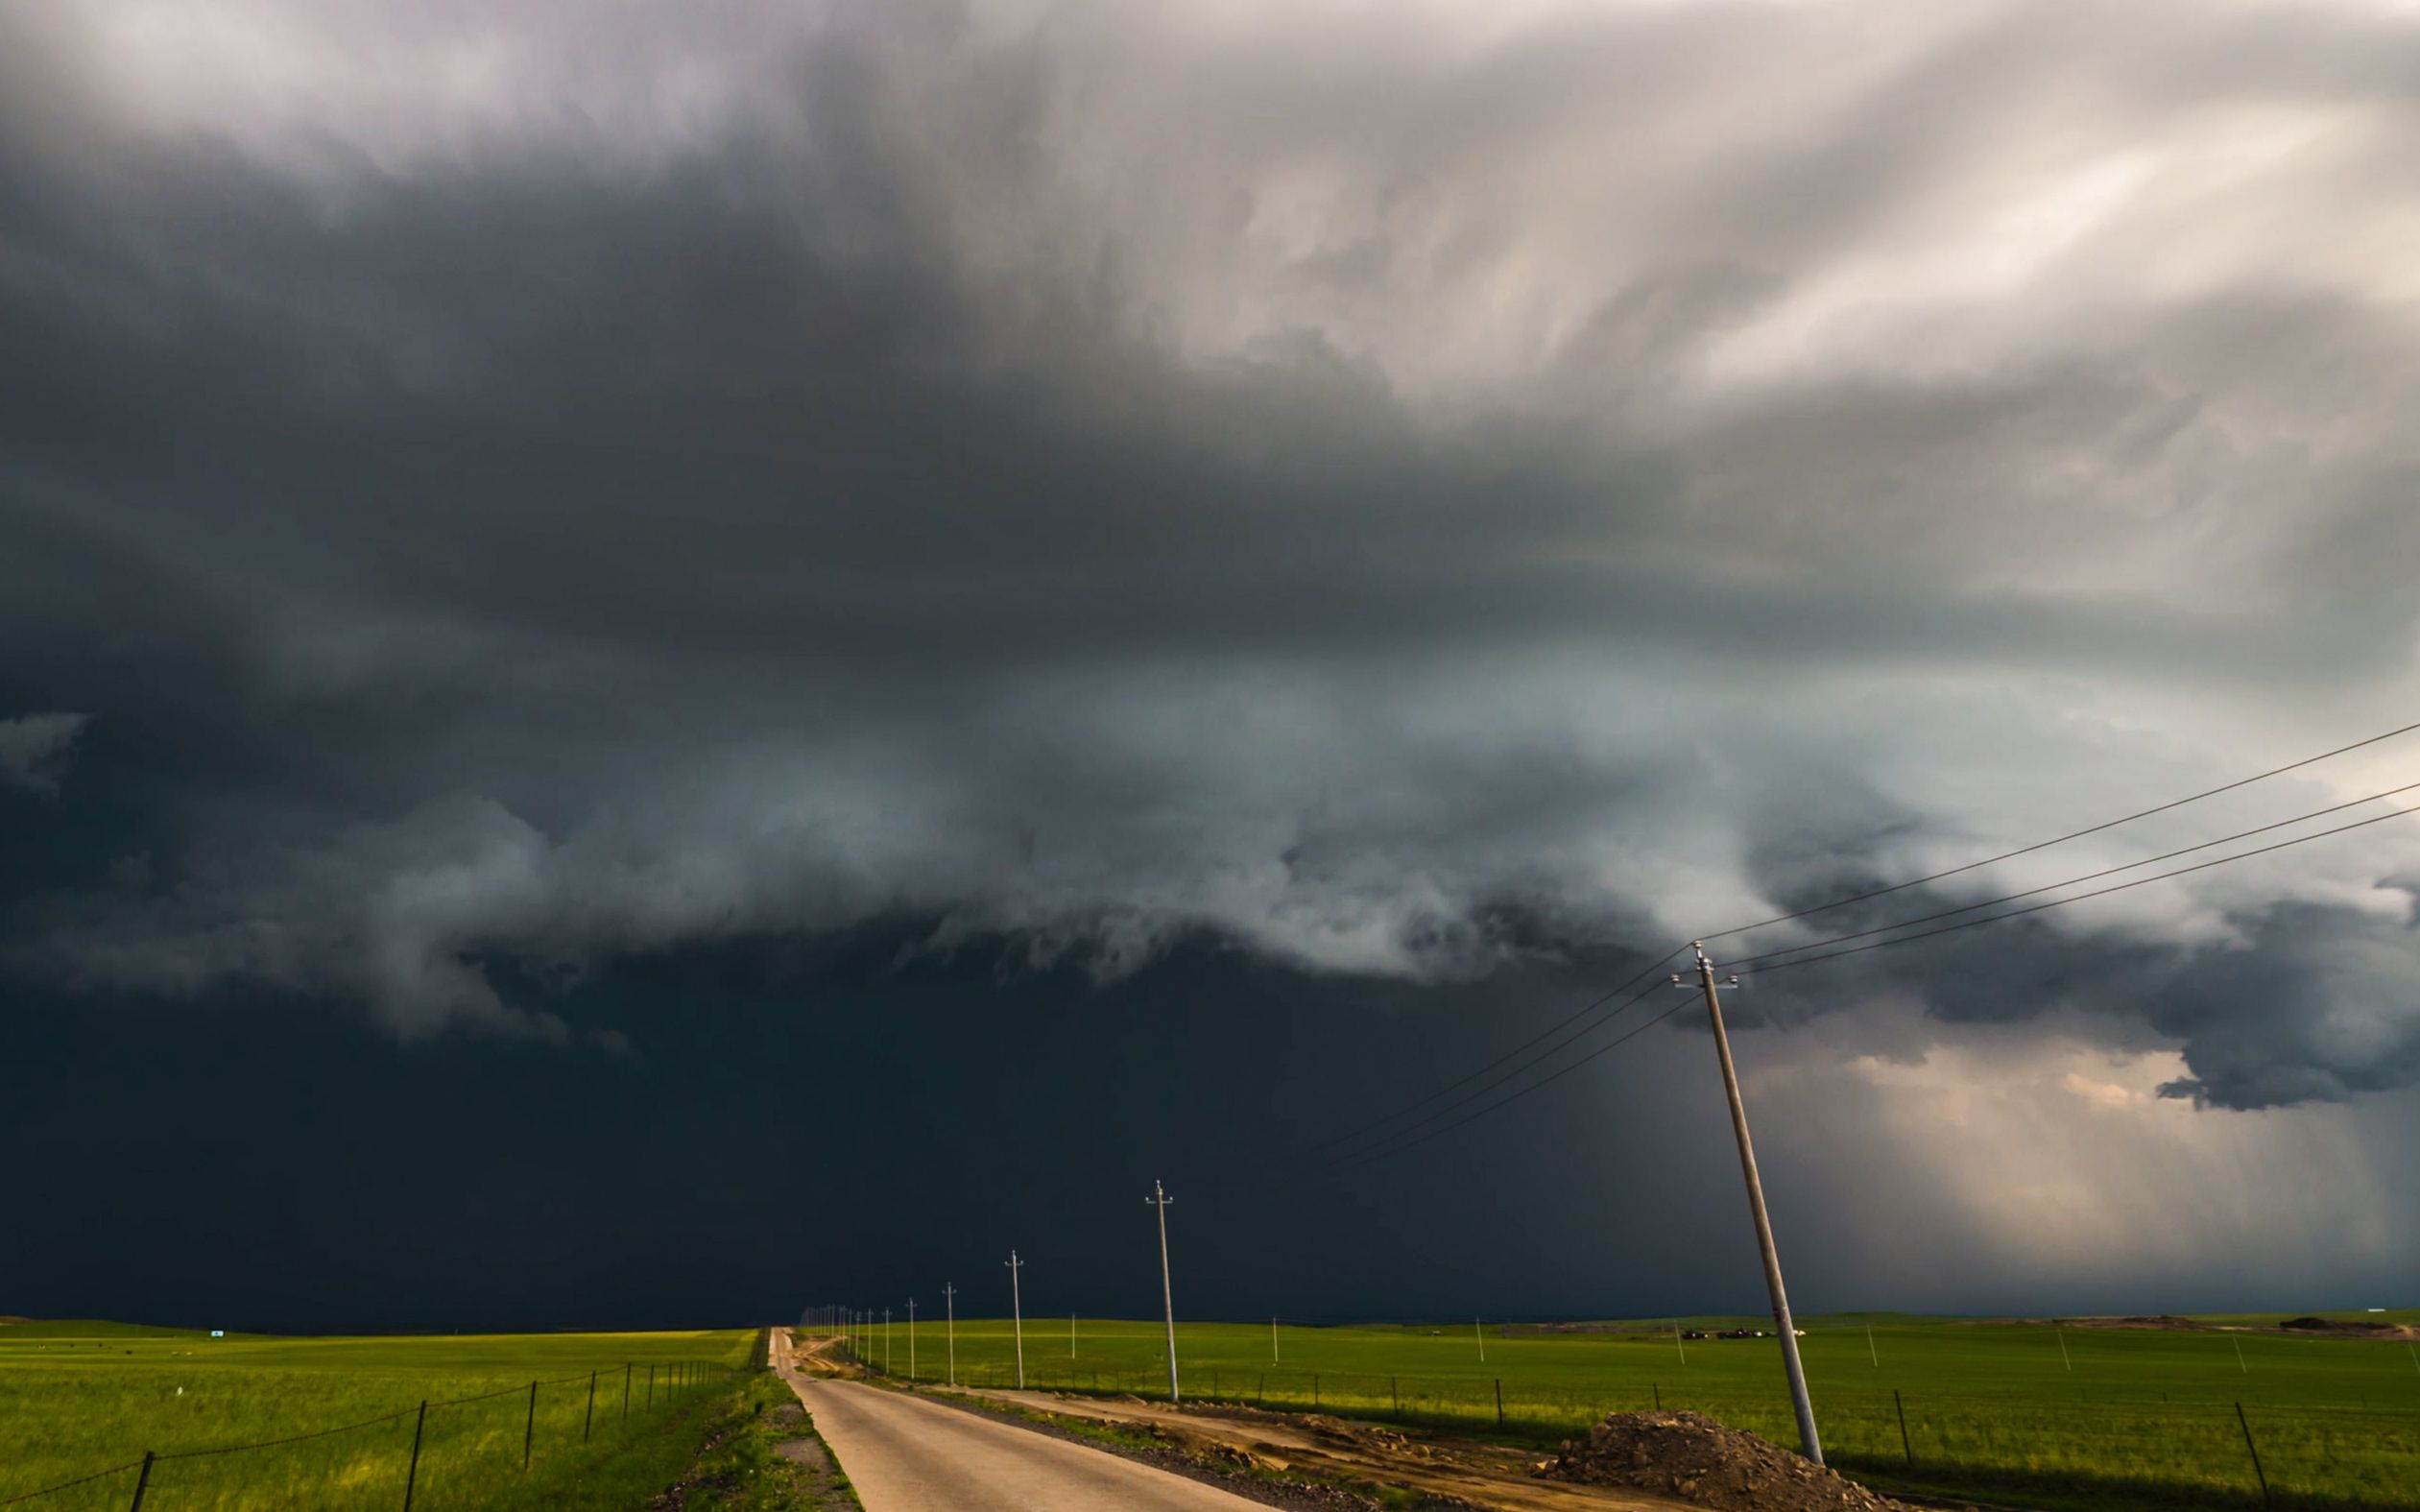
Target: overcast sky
552	553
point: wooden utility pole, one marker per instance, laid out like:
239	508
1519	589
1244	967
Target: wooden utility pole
1808	1443
1016	1310
1161	1199
949	1300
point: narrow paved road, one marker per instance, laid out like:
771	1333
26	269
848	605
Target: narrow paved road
904	1454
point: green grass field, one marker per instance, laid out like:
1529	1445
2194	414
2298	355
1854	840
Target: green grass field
81	1398
2125	1418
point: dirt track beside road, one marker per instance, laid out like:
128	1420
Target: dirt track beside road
1326	1447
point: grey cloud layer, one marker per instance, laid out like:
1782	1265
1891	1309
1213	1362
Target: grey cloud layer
34	750
1399	494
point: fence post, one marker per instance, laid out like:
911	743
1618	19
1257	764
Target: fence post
1314	1391
589	1421
1906	1448
1655	1389
1394	1395
2258	1472
626	1388
140	1481
649	1406
529	1430
412	1477
1499	1402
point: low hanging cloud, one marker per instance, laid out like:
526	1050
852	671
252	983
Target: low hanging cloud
1402	494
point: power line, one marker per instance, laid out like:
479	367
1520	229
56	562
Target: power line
2061	903
1409	1134
2072	834
1352	1134
1467	1098
1517	1094
2088	876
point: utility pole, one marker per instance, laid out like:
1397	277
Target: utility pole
949	1301
911	1338
1273	1341
1808	1443
1480	1334
1161	1199
1071	1335
886	1341
1016	1310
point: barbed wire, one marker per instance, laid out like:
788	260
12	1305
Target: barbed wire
70	1485
299	1438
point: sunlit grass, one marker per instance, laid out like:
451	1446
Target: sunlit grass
2124	1417
76	1401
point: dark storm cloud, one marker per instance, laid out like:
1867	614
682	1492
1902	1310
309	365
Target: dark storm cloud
35	749
1401	498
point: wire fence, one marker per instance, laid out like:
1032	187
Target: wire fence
2218	1451
434	1453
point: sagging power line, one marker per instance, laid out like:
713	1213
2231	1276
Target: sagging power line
2056	840
1746	961
2061	903
1371	1130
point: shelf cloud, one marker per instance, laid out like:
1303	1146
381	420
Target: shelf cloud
1406	491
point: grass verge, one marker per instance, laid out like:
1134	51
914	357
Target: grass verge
764	1455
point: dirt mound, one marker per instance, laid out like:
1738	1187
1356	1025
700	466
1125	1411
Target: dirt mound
2360	1327
1693	1458
2156	1320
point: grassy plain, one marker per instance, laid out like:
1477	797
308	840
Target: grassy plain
77	1399
1995	1410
